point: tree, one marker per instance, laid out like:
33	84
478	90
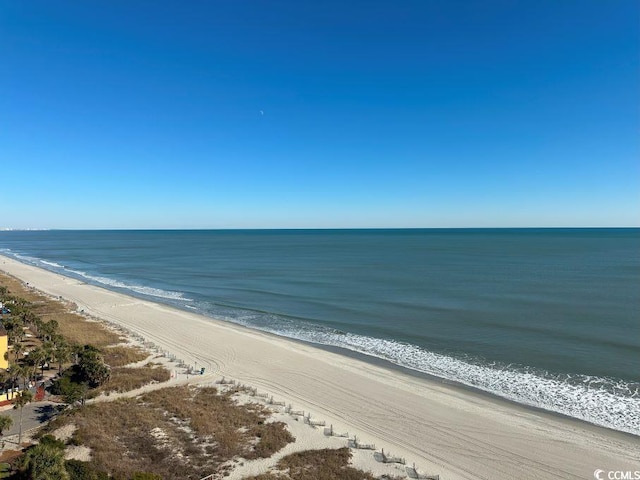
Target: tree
18	348
49	329
61	354
15	329
36	326
41	356
4	378
21	400
25	372
5	424
76	352
14	372
74	392
45	461
36	359
92	366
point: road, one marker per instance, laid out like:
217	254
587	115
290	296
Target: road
33	415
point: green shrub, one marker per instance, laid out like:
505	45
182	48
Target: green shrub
145	476
83	471
52	441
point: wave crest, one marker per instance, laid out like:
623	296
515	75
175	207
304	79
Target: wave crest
608	402
109	282
150	291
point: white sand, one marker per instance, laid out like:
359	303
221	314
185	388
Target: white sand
443	429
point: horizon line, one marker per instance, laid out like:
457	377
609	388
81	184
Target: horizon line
168	229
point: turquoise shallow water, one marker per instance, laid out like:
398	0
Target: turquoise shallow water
549	317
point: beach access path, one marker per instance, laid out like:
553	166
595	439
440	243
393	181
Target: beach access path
444	429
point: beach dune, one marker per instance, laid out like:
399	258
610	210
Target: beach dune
444	429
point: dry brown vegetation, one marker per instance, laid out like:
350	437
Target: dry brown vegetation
119	356
79	330
16	287
178	433
124	379
326	464
73	326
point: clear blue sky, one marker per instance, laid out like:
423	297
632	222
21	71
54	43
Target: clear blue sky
261	114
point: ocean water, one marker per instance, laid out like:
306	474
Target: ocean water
544	317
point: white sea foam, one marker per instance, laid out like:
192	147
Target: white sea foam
28	259
602	401
150	291
25	258
612	403
52	264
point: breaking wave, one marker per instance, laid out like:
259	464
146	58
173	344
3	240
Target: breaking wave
608	402
150	291
108	282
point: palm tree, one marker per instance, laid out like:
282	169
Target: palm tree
76	351
5	423
22	399
13	372
45	462
42	355
36	326
92	366
4	377
62	354
37	359
49	329
49	352
25	372
15	330
27	317
18	348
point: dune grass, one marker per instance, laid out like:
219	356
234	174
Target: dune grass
72	326
119	355
124	379
178	433
325	464
79	330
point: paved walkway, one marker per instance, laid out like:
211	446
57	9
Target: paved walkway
33	415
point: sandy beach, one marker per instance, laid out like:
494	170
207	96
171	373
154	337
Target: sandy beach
444	429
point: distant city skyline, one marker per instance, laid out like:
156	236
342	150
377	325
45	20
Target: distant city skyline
413	114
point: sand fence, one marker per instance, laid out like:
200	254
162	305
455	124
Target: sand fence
352	442
355	443
149	346
412	472
388	458
330	432
269	400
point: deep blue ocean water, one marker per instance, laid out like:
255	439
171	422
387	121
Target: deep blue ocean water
544	317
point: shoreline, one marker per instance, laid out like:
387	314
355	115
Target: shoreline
345	351
466	389
448	429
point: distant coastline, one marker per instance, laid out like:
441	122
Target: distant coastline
318	229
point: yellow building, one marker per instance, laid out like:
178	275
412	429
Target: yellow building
4	348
